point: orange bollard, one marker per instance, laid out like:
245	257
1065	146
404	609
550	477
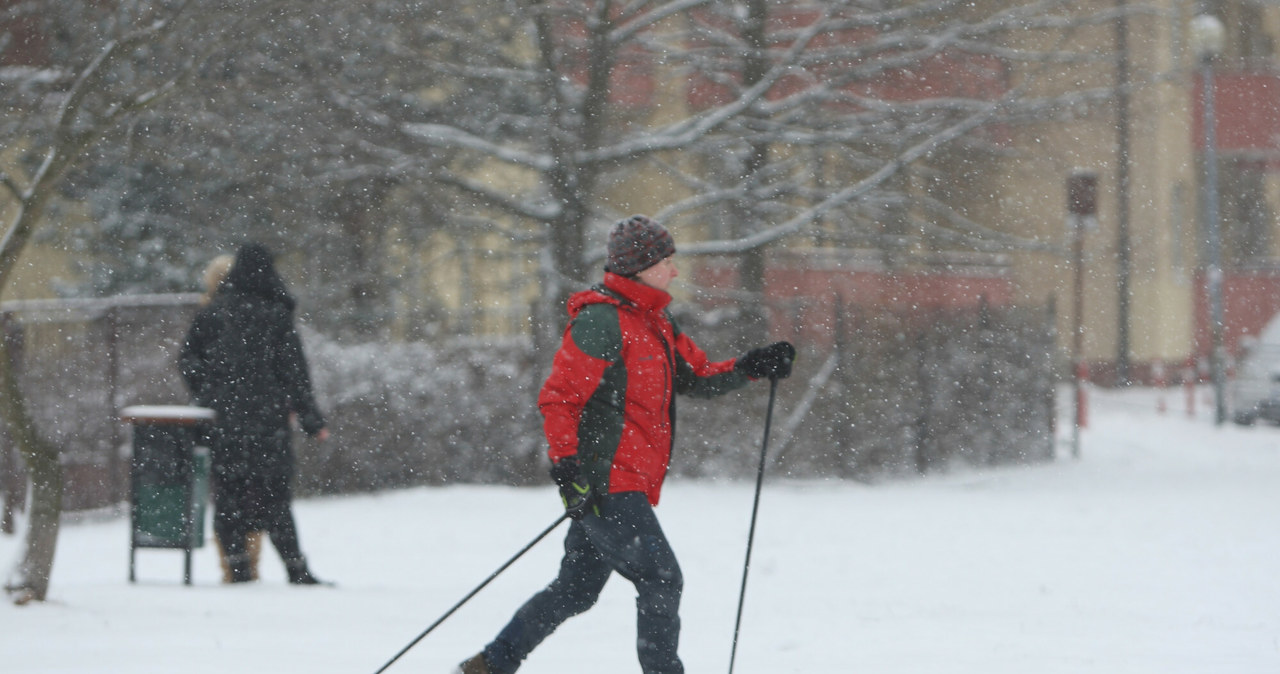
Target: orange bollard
1082	403
1160	382
1189	385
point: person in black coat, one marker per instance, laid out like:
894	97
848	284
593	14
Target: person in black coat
243	359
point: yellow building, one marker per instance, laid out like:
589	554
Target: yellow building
1157	242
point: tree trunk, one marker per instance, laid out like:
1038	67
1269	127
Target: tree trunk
73	132
752	326
563	274
35	569
30	582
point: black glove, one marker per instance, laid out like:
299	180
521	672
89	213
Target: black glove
773	361
578	497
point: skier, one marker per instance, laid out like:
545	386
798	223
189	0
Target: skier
609	417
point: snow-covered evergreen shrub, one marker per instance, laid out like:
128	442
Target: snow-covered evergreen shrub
460	410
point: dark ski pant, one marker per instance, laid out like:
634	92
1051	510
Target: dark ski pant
625	538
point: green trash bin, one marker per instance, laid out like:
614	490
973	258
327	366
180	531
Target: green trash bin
169	480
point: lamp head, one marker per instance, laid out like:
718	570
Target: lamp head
1207	35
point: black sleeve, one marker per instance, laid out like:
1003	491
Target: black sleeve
192	360
297	380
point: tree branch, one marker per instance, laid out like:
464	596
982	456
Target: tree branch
11	185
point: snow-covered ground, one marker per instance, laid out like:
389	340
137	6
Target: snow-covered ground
1157	551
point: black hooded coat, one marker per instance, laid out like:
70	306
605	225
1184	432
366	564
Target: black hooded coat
243	359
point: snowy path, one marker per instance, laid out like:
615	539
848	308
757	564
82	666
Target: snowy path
1158	551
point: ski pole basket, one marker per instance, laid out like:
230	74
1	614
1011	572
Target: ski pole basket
168	478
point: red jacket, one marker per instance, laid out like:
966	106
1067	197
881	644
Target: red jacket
610	398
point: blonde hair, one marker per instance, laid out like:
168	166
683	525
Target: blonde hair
214	272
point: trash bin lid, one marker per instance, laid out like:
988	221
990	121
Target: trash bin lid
166	414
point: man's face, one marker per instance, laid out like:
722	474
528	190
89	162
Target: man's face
660	274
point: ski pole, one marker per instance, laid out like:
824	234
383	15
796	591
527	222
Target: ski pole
755	509
476	591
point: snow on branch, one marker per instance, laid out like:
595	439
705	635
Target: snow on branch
684	132
444	136
851	193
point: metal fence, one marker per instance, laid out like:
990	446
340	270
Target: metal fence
898	393
79	362
895	395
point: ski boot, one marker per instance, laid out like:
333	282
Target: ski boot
475	665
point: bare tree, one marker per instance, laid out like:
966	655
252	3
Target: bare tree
116	60
344	129
565	95
295	140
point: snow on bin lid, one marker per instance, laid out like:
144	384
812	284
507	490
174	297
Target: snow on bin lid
176	414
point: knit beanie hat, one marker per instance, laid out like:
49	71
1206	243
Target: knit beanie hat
637	243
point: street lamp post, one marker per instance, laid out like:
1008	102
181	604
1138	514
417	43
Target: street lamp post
1207	37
